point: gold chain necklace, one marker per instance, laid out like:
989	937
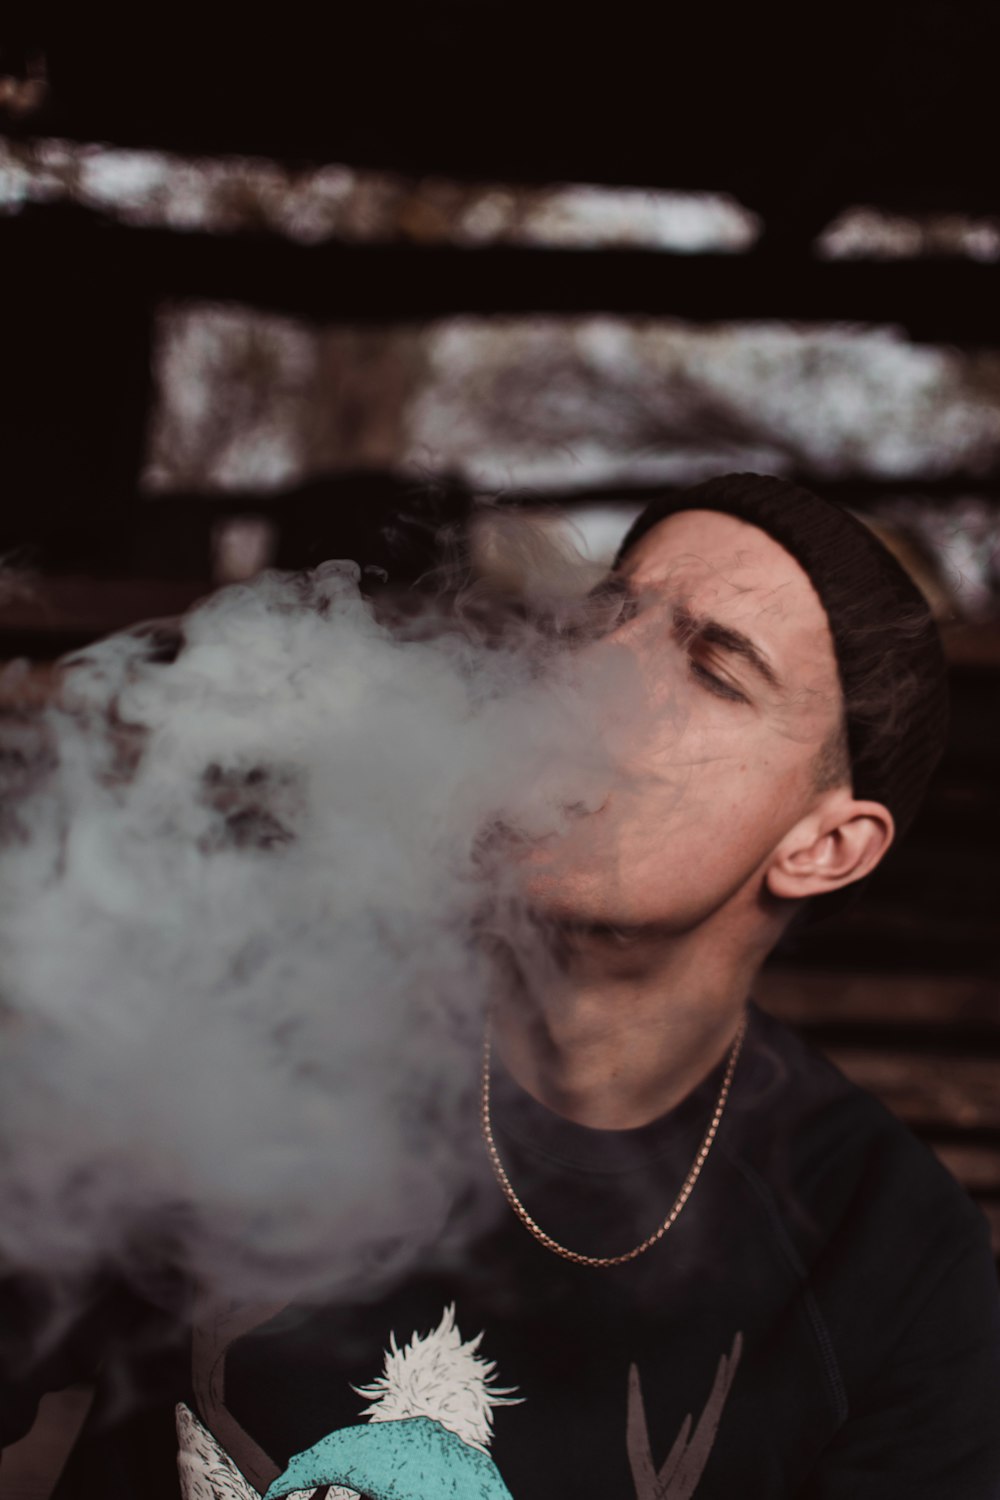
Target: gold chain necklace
499	1171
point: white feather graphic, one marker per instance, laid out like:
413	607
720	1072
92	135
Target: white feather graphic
435	1375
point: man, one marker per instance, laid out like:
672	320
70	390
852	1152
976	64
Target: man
724	1270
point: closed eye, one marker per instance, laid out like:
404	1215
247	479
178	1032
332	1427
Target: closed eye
717	685
703	639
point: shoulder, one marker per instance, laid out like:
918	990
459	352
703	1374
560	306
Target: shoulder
889	1248
841	1170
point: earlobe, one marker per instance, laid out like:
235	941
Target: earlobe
816	858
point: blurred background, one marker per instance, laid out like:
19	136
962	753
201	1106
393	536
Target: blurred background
282	292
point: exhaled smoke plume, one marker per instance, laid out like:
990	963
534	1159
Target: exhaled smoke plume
242	991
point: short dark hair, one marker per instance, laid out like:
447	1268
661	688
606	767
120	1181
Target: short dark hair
888	650
832	765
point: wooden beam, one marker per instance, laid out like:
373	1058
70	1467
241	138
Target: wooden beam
925	1091
77	604
807	998
976	1164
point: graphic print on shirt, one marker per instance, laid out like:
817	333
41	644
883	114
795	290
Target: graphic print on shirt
427	1434
677	1478
429	1424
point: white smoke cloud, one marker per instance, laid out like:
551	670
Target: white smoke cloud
242	992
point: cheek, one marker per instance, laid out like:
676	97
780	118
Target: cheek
768	794
746	798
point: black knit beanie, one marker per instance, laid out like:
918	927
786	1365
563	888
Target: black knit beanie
892	667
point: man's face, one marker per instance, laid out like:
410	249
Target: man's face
736	665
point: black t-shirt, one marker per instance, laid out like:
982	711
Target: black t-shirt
821	1321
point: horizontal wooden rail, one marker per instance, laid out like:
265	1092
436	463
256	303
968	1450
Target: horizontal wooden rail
808	999
976	1164
860	492
75	604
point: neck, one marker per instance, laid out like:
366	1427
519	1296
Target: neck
626	1025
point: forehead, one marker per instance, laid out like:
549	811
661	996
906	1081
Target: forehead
725	568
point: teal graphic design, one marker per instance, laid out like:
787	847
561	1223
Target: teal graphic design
411	1459
427	1428
425	1435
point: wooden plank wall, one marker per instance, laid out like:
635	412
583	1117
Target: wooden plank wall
893	108
905	990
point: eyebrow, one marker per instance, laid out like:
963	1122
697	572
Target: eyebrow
714	633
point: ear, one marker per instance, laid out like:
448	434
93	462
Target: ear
835	845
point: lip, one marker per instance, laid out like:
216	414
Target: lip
501	835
